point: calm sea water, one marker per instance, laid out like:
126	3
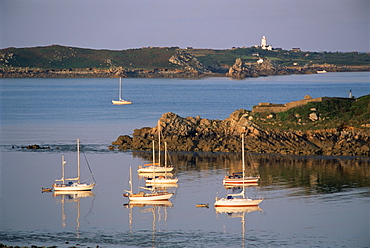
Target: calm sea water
308	201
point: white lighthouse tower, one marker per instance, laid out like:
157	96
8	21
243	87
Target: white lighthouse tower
264	42
264	45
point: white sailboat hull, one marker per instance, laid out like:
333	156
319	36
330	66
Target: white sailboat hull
239	181
121	102
237	202
154	169
73	187
150	197
162	181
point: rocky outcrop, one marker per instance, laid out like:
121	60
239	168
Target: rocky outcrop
188	62
263	67
266	67
240	70
197	134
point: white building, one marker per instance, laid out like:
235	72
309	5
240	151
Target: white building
264	45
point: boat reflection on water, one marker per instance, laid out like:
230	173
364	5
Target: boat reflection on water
157	182
231	186
162	203
149	175
238	212
158	210
64	197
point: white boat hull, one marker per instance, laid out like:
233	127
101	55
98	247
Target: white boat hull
73	187
121	102
157	169
239	181
237	202
150	197
162	181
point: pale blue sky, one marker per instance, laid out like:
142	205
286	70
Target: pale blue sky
312	25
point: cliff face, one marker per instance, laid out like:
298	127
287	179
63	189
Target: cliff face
197	134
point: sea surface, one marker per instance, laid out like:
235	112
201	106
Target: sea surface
309	201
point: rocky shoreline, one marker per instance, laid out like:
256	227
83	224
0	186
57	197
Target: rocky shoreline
233	72
188	67
204	135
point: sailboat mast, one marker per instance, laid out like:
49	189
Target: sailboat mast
159	144
243	159
153	153
153	161
63	163
130	180
165	159
78	160
120	89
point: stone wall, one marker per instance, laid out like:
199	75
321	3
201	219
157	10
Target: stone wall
276	108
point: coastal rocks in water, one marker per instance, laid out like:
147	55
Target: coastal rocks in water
197	134
35	147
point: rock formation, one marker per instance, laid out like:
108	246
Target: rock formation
188	62
263	67
240	70
197	134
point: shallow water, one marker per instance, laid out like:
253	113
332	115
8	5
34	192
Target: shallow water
307	202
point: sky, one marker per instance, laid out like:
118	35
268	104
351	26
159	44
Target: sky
312	25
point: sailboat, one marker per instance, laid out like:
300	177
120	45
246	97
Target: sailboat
237	179
72	186
164	180
143	197
238	199
120	101
155	167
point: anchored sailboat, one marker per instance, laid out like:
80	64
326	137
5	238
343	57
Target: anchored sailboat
164	180
120	101
72	186
237	179
144	196
155	167
239	199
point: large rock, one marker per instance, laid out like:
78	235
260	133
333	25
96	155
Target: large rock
263	67
197	134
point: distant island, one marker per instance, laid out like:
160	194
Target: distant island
172	62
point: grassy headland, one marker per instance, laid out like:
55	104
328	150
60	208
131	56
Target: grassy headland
61	61
338	113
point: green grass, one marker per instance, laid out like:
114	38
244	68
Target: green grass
60	57
333	113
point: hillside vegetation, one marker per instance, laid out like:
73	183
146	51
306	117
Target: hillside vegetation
61	57
339	113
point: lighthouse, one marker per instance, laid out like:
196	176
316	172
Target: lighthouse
263	42
264	45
